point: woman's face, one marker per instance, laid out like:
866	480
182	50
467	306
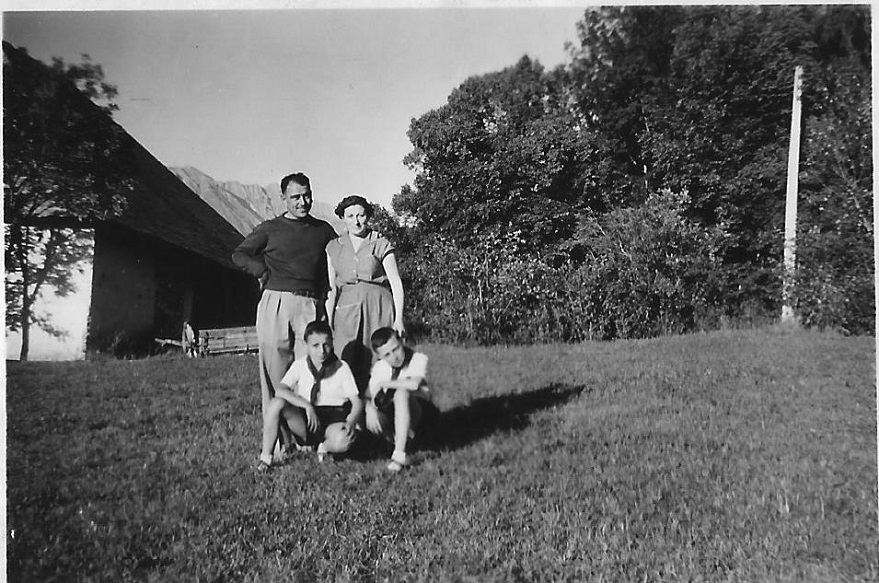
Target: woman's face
356	220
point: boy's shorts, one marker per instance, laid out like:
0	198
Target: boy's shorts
326	416
384	401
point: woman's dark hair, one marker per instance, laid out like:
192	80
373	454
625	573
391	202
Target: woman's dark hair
351	201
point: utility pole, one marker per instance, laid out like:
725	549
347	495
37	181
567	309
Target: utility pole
790	207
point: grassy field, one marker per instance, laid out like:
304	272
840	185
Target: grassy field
731	456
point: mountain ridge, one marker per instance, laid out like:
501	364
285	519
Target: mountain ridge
245	206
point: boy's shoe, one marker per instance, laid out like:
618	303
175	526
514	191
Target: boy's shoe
398	461
265	464
323	454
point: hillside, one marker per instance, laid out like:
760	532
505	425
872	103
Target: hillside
246	205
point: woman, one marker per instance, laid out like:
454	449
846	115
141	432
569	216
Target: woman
365	288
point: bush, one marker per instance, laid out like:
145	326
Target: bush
630	273
639	272
834	283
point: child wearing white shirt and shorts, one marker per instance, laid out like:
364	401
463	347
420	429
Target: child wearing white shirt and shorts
317	397
397	393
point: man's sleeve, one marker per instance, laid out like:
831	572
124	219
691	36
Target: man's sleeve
248	254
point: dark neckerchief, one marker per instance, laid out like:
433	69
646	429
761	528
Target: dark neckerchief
319	374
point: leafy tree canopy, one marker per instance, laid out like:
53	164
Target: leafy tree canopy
667	98
506	153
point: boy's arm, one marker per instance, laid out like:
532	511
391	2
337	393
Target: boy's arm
356	410
413	384
286	392
353	397
415	380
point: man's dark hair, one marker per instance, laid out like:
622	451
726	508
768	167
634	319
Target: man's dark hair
381	337
317	327
297	177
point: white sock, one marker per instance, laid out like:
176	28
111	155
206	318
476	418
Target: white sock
399	456
267	459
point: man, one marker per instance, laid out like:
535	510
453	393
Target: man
287	255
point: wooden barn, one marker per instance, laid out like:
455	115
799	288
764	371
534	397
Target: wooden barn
165	260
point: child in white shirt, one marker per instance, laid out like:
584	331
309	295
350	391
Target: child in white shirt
397	392
318	398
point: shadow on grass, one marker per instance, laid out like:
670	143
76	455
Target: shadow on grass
466	424
463	425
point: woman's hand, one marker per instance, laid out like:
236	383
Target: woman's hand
399	327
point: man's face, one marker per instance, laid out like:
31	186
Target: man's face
319	347
392	352
298	200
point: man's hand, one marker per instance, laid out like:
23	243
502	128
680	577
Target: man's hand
263	279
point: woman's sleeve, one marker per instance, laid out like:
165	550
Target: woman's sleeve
383	248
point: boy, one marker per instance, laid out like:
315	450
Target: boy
318	399
397	392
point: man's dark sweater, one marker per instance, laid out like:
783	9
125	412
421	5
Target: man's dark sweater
292	250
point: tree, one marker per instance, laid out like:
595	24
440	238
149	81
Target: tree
504	154
835	275
698	99
66	166
692	100
623	57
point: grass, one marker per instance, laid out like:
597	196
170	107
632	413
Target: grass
731	456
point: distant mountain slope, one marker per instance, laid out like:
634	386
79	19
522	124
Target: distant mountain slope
246	205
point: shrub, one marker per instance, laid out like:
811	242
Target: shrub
834	283
641	272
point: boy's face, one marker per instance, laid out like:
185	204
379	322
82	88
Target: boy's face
319	347
392	352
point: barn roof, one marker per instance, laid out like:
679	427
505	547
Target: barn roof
160	205
163	207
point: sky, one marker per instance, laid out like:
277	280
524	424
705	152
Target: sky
252	95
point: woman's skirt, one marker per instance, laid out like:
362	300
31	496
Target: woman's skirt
361	309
